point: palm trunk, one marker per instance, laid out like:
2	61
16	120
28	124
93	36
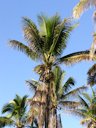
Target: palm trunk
92	125
59	123
50	110
52	106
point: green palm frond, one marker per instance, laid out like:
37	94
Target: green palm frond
4	121
23	102
8	108
24	48
32	84
75	57
83	102
47	26
92	70
68	84
31	33
87	96
17	100
59	77
74	92
61	35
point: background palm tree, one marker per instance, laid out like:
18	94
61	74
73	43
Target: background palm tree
47	43
87	109
16	113
63	93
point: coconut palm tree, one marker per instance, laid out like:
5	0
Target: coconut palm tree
16	113
87	110
47	43
63	93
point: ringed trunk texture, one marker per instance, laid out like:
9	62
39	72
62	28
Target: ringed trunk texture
52	106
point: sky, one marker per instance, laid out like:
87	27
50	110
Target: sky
15	67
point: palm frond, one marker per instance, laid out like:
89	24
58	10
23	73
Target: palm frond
23	101
85	121
47	26
92	70
69	104
4	121
68	84
31	33
59	77
24	48
74	92
32	84
60	38
83	102
82	6
8	108
75	57
76	112
87	96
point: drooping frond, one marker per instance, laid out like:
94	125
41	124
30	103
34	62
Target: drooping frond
8	108
83	102
31	34
68	84
77	112
92	70
32	84
69	104
82	6
75	57
24	48
74	92
4	121
86	95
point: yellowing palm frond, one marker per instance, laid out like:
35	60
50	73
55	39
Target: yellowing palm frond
82	6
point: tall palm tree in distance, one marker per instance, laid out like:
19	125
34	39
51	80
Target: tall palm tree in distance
46	43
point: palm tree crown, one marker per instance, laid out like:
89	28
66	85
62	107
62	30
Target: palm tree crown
87	109
16	113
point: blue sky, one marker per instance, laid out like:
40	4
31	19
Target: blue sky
15	67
